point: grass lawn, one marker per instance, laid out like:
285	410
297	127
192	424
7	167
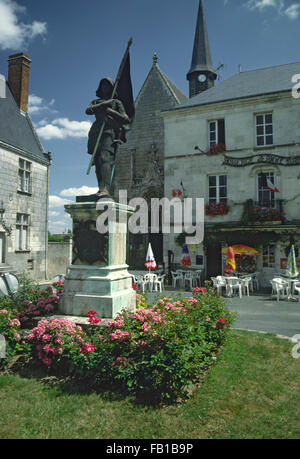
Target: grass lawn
253	391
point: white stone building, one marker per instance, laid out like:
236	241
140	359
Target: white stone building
255	118
24	179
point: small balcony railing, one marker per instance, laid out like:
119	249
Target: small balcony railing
263	211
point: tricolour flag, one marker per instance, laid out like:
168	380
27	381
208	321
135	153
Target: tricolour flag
185	258
271	186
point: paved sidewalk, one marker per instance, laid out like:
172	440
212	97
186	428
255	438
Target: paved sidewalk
257	312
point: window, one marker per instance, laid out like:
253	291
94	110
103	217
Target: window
217	188
269	256
22	232
216	132
265	196
24	178
264	130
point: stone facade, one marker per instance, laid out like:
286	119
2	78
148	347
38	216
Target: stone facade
186	155
30	256
24	179
140	162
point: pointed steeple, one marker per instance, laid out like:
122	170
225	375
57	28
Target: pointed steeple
201	66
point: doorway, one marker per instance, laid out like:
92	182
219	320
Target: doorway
213	260
2	248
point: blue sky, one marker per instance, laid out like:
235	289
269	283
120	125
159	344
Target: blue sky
73	44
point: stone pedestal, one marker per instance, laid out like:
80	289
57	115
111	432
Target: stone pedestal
98	278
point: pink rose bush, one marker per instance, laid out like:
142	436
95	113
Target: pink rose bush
10	335
31	301
56	338
154	352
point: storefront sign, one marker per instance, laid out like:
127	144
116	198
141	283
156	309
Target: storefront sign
262	158
283	263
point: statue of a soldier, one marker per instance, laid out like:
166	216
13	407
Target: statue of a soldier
111	112
114	111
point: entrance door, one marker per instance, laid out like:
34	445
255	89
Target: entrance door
2	248
213	260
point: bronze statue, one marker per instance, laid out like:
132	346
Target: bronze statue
111	112
114	111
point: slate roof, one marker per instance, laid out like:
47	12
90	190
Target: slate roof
16	128
175	92
251	83
179	95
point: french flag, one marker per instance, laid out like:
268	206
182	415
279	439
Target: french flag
272	187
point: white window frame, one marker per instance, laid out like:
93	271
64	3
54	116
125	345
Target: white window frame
269	256
264	126
215	130
22	232
218	198
270	175
24	176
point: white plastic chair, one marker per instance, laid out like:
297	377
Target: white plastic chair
279	287
219	283
150	280
198	275
234	284
255	280
189	277
246	282
177	277
297	288
159	282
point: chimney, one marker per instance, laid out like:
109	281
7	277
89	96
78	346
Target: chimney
18	78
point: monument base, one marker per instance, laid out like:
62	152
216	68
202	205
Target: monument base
98	278
106	290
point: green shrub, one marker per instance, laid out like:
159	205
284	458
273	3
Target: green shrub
31	300
11	340
154	353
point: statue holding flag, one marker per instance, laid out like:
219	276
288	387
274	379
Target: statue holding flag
114	111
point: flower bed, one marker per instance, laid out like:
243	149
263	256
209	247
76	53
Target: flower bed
155	352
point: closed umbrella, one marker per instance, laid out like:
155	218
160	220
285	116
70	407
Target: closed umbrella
230	262
291	263
150	262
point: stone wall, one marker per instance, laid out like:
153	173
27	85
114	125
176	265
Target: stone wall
32	260
59	257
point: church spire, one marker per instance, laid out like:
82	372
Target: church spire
201	75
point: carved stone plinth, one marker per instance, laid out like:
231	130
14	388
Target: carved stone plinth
98	278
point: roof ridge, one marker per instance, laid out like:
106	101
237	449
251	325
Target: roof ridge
171	84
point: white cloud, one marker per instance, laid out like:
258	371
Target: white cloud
262	4
82	191
62	128
37	104
14	34
57	201
53	213
292	12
